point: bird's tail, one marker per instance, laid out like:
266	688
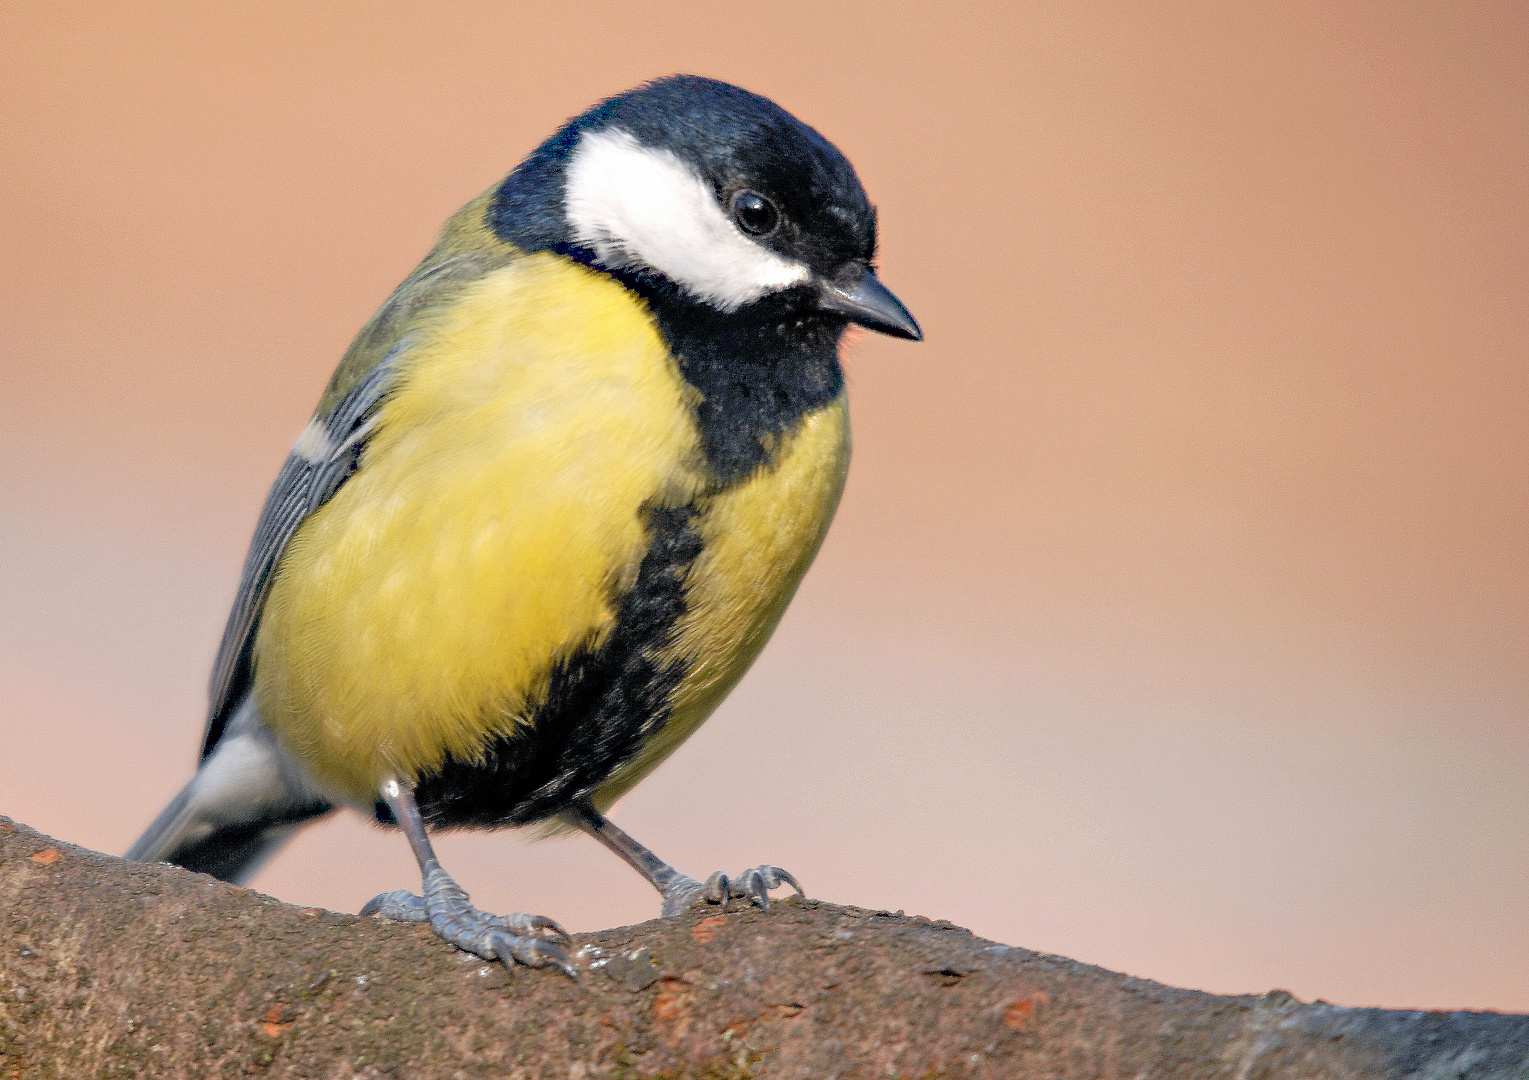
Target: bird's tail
243	803
205	838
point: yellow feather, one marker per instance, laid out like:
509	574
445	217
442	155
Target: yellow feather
500	504
758	540
499	510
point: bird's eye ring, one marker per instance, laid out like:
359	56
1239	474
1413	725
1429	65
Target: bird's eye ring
755	214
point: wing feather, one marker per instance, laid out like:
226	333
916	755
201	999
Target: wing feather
309	478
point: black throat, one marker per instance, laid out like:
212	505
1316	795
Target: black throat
759	370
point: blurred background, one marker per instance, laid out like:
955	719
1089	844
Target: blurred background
1177	615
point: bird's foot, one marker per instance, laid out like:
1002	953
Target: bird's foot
400	905
679	890
753	885
531	940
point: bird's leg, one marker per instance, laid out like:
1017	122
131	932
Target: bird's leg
679	890
529	939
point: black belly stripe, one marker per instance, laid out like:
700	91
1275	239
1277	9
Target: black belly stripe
600	708
758	370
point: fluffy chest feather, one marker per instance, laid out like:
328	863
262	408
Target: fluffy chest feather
758	539
493	518
452	613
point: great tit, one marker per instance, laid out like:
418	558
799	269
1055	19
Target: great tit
550	507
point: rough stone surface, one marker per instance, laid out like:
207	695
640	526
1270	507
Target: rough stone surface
111	969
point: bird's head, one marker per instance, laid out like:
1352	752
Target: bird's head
702	195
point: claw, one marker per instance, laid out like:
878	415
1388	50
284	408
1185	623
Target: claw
756	884
449	910
717	889
753	885
679	890
400	905
535	926
534	953
510	939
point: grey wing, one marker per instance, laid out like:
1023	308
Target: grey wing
325	457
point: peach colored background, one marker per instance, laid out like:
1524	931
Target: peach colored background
1177	616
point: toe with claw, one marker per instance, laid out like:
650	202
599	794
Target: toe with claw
533	940
679	890
400	905
753	885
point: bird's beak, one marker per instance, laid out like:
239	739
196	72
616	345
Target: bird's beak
868	302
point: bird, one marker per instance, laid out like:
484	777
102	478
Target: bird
550	507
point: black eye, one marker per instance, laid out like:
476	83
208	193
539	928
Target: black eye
754	213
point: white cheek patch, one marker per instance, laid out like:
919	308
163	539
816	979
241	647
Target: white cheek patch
636	206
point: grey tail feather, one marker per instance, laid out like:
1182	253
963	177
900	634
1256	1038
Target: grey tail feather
156	842
245	800
230	851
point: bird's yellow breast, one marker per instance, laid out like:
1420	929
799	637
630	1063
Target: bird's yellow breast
758	539
499	512
495	513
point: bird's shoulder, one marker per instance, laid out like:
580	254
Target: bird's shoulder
465	252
